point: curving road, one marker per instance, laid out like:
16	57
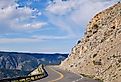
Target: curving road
58	75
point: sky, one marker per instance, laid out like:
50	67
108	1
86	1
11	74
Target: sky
49	26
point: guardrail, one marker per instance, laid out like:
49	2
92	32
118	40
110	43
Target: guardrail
26	78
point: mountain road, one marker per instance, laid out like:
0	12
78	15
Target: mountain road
55	74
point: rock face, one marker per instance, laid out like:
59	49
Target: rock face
98	54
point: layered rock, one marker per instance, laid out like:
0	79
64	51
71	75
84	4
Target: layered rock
98	54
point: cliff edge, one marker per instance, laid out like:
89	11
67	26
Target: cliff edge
98	53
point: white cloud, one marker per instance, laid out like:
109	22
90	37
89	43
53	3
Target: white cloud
14	18
26	26
6	3
16	40
60	7
70	15
60	22
49	37
34	38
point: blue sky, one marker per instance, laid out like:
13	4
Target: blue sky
45	25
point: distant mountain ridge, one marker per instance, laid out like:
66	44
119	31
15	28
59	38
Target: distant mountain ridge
18	61
10	60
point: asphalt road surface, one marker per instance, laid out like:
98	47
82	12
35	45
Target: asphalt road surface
58	75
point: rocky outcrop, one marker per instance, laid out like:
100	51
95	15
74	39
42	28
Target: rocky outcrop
38	70
98	54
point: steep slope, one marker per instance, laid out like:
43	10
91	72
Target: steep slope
98	54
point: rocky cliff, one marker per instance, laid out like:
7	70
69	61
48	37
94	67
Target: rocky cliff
98	53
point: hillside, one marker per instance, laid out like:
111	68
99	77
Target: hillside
17	61
98	53
8	73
